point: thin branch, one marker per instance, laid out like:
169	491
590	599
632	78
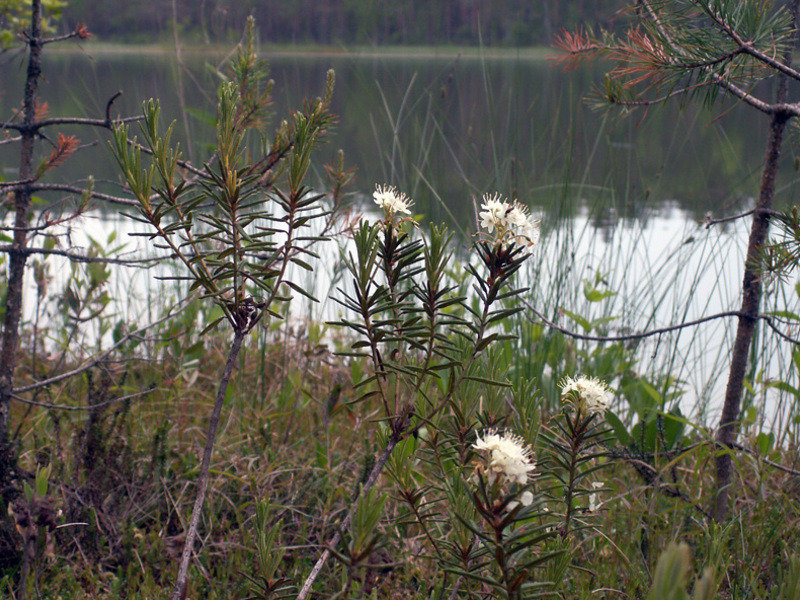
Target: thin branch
60	38
80	408
654	17
15	126
709	221
181	163
179	592
61	187
47	223
371	480
709	63
771	463
103	123
107	123
103	355
684	449
747	98
78	258
110	103
627	337
768	320
650	333
36	125
654	101
13	185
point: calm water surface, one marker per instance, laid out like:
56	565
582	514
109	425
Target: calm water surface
617	196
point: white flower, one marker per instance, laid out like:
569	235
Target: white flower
525	231
509	457
512	221
494	214
590	394
391	201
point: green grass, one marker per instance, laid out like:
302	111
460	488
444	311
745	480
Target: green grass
123	478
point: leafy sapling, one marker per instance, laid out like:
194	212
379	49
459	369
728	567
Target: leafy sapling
240	225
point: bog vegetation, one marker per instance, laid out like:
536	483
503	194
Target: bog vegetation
442	437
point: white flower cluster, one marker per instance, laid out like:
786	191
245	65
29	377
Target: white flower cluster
510	460
590	394
511	220
391	201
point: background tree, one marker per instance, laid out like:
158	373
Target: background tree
691	50
29	126
238	225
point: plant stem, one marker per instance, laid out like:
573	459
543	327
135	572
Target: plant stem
371	480
179	593
575	445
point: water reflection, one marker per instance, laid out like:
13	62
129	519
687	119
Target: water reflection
616	196
441	128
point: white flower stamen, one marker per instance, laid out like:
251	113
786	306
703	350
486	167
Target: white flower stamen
391	201
511	220
590	394
510	459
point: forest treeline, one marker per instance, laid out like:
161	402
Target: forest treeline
359	22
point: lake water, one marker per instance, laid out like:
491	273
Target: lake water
618	196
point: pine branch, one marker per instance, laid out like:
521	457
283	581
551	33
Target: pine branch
746	46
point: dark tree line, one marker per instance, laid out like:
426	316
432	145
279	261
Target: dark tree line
365	22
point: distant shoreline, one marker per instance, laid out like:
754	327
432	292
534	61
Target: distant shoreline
391	52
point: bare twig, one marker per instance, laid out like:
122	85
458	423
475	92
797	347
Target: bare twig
179	592
103	355
626	337
768	319
655	101
371	481
709	221
181	163
60	38
109	104
61	187
628	457
780	467
765	107
67	407
82	258
12	185
103	123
